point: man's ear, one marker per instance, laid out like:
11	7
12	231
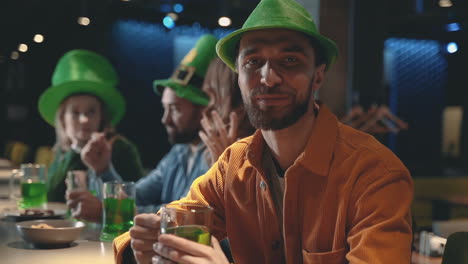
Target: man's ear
319	77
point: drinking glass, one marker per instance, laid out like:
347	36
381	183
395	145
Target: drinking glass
118	209
190	221
32	179
77	180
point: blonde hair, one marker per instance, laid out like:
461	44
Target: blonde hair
62	142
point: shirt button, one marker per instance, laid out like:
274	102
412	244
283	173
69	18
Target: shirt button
275	245
262	185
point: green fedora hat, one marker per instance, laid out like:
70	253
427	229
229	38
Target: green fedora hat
287	14
82	72
187	79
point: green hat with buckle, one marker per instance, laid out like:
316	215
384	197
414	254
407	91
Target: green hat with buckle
82	72
269	14
187	79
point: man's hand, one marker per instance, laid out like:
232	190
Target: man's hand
143	235
215	134
84	205
96	154
181	250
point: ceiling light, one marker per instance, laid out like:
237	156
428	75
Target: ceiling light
22	47
14	55
224	21
445	3
38	38
174	16
178	8
84	21
168	22
452	47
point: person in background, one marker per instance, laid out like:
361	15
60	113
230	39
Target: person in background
304	188
183	102
225	120
84	105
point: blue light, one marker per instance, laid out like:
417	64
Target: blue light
165	8
452	47
168	22
178	8
453	27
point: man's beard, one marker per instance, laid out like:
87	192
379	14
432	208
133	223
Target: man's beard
183	137
263	119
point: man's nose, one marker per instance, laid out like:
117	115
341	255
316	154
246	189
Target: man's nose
83	118
270	76
165	118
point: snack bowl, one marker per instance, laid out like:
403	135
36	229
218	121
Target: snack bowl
50	232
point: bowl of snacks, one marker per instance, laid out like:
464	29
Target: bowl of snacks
51	232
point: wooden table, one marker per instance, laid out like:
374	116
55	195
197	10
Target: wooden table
88	249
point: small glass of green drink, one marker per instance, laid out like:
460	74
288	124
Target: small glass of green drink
190	221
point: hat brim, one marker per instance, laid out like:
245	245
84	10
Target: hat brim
52	98
188	92
226	47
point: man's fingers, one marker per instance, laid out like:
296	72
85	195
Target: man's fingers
233	126
143	257
147	220
188	246
142	244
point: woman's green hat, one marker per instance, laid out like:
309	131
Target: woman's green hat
82	72
187	79
287	14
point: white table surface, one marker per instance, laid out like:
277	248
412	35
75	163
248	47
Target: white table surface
13	250
5	175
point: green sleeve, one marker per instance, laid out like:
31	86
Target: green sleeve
126	159
56	174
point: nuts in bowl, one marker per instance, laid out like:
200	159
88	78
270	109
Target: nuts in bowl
50	232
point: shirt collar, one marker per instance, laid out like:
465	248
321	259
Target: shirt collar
318	153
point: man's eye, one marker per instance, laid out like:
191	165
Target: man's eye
252	61
290	59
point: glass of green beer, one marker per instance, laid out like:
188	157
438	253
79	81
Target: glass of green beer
118	209
32	180
190	221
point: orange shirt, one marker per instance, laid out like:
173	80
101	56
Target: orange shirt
346	200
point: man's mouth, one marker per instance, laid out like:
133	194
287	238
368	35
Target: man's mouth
273	99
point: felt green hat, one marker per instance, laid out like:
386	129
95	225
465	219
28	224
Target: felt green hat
287	14
82	72
187	79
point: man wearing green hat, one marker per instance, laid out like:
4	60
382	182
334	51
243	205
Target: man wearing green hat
183	102
304	188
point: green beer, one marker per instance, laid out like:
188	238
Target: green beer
118	217
196	233
33	194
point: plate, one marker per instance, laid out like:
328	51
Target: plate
33	214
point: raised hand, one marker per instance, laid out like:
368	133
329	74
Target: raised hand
96	154
143	235
216	135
